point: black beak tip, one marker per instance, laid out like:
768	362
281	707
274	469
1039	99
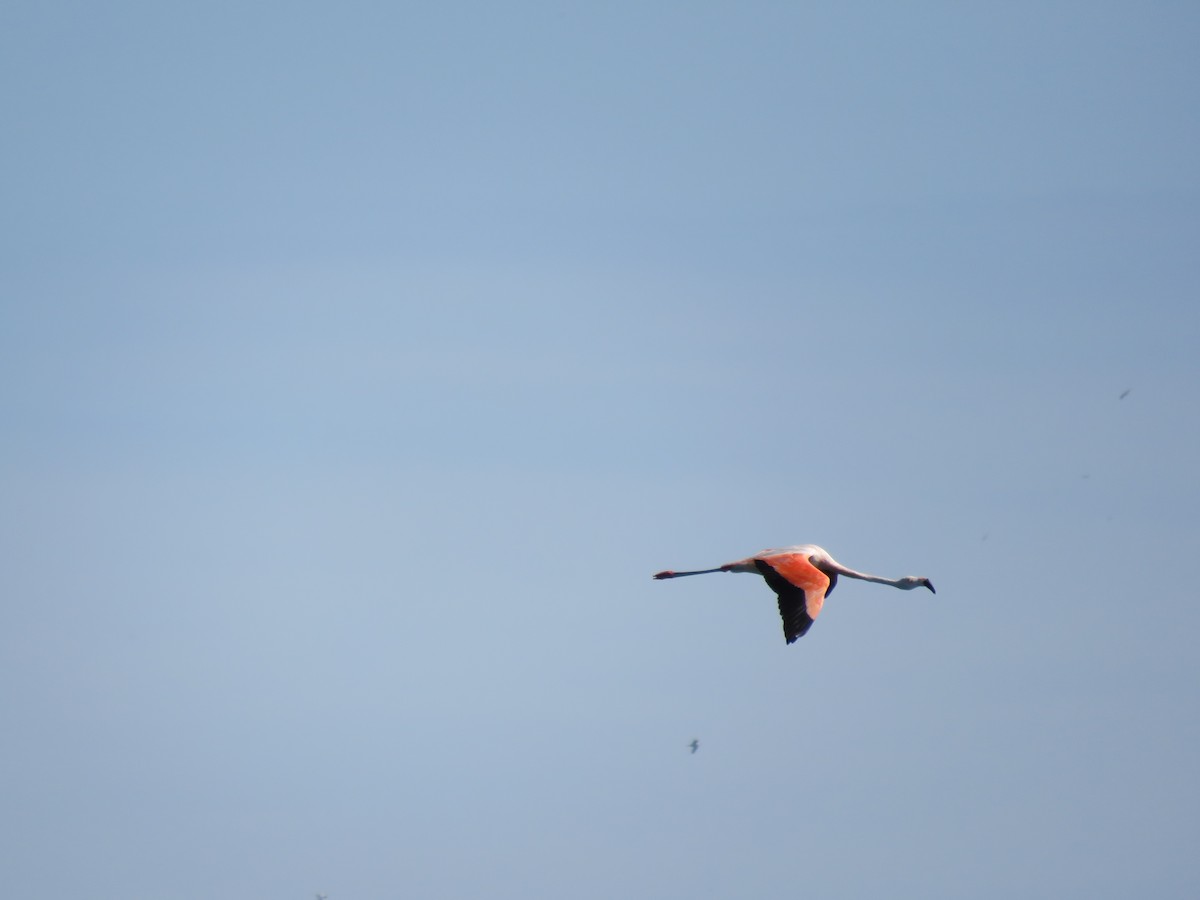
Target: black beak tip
929	584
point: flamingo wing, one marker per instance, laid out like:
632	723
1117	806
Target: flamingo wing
801	588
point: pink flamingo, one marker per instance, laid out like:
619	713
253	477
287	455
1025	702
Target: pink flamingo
803	576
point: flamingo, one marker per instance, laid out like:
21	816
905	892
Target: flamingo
803	576
695	745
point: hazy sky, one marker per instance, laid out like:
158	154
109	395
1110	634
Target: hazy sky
359	363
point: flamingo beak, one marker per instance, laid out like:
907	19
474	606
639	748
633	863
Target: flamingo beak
929	584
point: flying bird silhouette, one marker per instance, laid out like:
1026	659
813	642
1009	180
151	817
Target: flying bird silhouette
1125	393
695	745
802	576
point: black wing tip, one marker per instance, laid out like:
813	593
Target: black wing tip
796	635
794	630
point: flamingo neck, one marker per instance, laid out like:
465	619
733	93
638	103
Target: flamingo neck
863	576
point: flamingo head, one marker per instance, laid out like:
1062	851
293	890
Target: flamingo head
909	582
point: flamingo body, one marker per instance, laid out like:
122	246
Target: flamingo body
801	577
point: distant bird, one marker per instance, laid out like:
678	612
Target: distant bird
322	897
695	745
1125	393
803	576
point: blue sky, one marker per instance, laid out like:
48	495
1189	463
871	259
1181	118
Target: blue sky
359	364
